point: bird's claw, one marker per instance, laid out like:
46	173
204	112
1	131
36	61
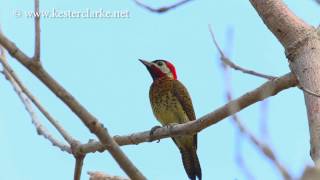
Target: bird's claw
152	131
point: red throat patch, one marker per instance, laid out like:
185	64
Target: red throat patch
156	72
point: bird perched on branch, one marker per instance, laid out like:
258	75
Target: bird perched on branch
172	104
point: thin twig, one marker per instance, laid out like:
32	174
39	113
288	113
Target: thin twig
228	62
36	102
227	82
78	156
161	9
41	130
36	56
264	148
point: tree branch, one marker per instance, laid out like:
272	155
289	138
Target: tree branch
36	55
270	88
87	118
229	63
262	147
78	166
302	45
41	130
161	9
36	102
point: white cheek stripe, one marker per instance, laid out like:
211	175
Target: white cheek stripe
165	70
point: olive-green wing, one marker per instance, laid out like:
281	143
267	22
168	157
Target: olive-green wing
183	97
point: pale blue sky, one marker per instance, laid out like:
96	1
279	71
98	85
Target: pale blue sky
97	61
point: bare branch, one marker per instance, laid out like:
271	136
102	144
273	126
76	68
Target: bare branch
104	176
262	147
227	81
15	81
229	63
36	55
35	120
161	9
78	166
270	88
35	101
86	117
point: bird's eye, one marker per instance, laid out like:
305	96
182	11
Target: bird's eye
160	63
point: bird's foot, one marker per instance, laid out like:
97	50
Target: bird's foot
151	133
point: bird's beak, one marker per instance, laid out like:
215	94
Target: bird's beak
146	63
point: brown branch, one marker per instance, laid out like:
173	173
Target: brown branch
270	88
36	55
78	166
161	9
229	63
35	120
86	117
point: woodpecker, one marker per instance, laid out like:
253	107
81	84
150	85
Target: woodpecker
171	104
